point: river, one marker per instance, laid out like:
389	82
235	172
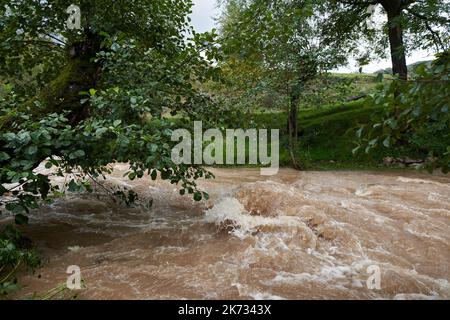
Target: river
297	235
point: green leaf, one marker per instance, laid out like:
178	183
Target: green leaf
154	174
20	219
73	186
379	77
439	68
197	196
115	47
165	174
77	154
16	208
4	156
153	148
355	150
392	123
31	150
360	132
3	190
87	185
100	131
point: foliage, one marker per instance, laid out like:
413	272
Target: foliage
281	44
413	113
357	27
118	80
279	41
334	88
13	256
60	292
325	138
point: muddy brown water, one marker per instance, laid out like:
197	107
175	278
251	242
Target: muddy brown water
297	235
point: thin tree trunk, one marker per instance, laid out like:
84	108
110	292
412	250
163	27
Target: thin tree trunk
293	127
398	56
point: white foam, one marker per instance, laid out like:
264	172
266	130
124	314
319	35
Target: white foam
74	248
257	295
414	296
230	211
419	181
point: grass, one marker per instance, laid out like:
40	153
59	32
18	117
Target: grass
327	136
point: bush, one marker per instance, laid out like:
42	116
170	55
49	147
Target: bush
15	254
415	115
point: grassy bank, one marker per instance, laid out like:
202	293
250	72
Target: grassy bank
327	138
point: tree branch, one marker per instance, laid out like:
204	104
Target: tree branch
55	38
435	34
42	43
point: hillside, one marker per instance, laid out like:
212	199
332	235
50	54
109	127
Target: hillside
411	67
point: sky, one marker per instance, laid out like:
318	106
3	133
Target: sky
203	15
204	12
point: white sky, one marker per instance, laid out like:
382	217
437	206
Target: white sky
203	15
204	12
386	63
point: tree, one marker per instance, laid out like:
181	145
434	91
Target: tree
411	24
411	110
281	40
96	95
411	115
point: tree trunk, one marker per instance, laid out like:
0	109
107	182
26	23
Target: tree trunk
293	127
81	73
394	12
292	118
